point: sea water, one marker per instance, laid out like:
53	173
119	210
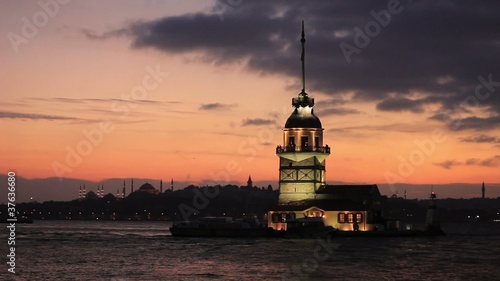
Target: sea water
122	251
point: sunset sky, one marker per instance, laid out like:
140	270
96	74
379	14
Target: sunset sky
199	91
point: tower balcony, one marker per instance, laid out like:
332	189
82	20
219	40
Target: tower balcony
306	148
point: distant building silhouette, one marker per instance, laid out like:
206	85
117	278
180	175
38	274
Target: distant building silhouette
483	190
132	186
161	186
123	190
249	182
149	188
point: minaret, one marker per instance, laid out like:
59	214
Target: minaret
172	184
405	193
80	192
249	182
123	190
161	186
483	190
132	186
117	193
302	155
98	192
84	192
102	191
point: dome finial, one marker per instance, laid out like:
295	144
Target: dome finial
302	58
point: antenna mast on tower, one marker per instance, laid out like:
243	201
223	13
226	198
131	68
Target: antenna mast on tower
302	58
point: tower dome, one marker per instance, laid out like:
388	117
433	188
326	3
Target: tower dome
303	115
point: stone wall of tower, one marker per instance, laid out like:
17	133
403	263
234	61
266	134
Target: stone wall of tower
299	180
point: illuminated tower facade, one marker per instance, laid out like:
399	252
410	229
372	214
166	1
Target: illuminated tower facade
302	153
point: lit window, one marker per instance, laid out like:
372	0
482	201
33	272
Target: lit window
341	218
350	218
359	217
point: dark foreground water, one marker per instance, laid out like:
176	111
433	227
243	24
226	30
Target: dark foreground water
92	250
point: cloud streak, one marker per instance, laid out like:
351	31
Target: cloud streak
337	111
481	139
35	116
488	162
257	122
448	164
216	106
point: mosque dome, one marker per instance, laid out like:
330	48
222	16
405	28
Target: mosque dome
147	187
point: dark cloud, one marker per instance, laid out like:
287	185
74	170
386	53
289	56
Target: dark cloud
448	164
440	49
34	116
114	33
401	104
472	161
488	162
475	123
491	162
257	122
442	117
481	139
468	123
394	127
215	106
337	111
331	102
